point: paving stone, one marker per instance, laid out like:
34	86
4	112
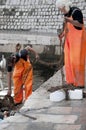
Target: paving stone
37	103
60	110
67	127
67	119
3	125
18	118
30	126
16	126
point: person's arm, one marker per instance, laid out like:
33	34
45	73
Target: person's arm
9	75
77	18
74	22
28	48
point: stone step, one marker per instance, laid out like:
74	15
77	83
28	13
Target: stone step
67	127
59	119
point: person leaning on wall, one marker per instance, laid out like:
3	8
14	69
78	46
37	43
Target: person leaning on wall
22	74
75	43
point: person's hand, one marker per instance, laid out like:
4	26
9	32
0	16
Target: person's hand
37	57
67	19
61	36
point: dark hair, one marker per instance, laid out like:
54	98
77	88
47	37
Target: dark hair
23	54
17	57
13	58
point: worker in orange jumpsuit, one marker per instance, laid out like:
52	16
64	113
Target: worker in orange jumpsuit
22	74
75	43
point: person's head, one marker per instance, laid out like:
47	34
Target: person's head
18	47
11	60
63	5
23	54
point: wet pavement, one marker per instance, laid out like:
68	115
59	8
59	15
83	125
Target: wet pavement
39	113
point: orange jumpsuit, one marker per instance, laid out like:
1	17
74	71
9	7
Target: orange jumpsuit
22	77
74	50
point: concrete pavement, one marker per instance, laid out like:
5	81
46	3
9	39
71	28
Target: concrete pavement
39	113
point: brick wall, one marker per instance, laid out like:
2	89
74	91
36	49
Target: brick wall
33	15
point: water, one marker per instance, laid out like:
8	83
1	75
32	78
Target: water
41	72
40	75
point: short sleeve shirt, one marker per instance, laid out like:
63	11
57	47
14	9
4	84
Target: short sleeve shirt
76	15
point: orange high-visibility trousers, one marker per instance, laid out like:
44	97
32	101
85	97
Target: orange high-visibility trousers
22	76
74	51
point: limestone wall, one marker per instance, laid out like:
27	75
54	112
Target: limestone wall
33	15
36	21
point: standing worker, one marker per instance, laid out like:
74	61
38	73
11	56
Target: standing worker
22	74
75	43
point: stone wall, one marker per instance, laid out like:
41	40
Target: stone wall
36	21
33	15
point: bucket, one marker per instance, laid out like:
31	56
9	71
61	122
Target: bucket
57	96
75	94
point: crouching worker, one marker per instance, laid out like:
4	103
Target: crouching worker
22	74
